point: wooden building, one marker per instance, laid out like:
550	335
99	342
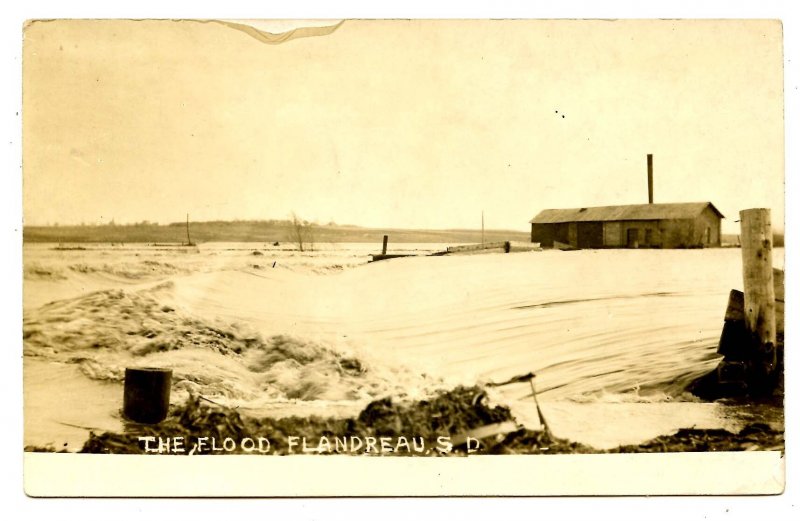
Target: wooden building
670	225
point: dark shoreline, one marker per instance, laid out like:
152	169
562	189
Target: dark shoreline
438	425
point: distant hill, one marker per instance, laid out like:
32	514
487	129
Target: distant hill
732	239
254	231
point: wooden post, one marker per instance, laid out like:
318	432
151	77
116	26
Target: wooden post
385	244
146	394
759	289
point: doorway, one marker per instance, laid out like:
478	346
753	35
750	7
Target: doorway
633	237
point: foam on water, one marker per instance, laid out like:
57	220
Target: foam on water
106	331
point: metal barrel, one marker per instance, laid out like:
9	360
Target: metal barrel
146	395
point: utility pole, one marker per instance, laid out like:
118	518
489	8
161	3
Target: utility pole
482	241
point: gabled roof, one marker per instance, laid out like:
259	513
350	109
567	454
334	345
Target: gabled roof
631	212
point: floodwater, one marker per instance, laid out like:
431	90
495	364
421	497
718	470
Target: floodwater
613	336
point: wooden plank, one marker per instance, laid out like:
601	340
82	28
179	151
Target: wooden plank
477	252
493	247
563	246
524	246
476	247
379	257
735	309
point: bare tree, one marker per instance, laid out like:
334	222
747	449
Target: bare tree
301	233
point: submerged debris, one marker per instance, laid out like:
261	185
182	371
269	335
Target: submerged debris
423	422
756	436
428	427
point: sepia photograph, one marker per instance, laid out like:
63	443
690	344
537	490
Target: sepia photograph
437	244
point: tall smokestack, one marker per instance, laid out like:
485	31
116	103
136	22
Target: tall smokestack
650	178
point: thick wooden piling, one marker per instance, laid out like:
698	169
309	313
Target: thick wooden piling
759	288
146	394
385	244
752	337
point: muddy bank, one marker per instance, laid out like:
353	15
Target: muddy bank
439	426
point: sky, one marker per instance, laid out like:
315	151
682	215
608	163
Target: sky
398	124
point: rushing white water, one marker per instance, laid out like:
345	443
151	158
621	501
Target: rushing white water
613	336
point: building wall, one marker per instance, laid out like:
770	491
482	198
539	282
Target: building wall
547	233
590	234
710	219
678	233
543	234
572	234
649	234
615	234
703	231
612	234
